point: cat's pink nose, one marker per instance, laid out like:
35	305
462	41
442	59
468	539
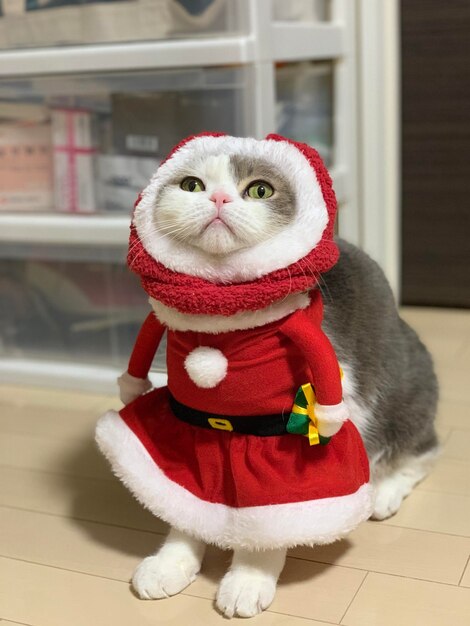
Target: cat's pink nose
220	197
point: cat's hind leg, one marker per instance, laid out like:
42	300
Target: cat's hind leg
392	487
171	569
249	586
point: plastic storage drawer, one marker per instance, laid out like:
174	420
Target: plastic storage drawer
90	143
301	10
35	23
304	104
70	304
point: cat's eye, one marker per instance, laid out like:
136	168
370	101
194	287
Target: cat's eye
259	190
192	184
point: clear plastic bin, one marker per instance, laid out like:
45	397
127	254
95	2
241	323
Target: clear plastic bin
89	144
36	23
301	10
304	104
74	304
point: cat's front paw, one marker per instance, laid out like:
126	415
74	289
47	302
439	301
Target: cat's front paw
245	593
164	575
391	491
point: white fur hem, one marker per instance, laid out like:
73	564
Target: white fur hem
256	528
214	324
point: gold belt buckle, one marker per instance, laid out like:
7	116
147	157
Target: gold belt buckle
219	424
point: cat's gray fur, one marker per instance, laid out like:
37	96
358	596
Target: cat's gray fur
393	370
283	202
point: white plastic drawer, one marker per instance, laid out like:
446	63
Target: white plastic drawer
74	304
304	104
36	23
89	144
301	10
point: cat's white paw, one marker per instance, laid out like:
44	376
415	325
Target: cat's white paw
165	574
389	495
245	593
393	489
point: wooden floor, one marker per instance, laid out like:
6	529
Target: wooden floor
71	536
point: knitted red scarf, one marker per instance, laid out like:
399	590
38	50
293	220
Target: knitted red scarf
189	294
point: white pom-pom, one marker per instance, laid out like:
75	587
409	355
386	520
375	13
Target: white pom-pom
206	367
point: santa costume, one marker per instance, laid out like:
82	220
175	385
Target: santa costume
250	444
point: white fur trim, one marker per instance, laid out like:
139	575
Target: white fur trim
289	245
131	387
333	413
330	418
206	366
214	324
257	527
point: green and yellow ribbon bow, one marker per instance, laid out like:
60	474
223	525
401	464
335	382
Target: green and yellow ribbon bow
302	420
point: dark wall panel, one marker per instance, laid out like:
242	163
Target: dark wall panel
436	152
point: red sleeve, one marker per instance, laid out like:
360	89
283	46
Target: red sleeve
304	329
145	347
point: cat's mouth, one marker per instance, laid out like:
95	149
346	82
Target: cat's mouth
217	222
217	237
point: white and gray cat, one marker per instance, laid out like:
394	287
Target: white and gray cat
389	382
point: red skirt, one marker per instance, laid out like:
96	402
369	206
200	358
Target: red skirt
233	489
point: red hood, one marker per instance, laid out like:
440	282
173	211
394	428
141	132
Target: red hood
191	294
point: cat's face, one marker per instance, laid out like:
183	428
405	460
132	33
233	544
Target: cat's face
224	203
232	208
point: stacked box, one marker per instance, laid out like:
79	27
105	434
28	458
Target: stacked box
25	165
74	161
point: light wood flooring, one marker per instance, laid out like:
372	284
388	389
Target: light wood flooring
71	535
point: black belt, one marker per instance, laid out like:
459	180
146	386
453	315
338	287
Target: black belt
261	425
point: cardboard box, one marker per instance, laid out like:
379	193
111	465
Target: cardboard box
144	124
149	124
26	174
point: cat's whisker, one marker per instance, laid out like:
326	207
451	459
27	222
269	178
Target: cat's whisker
179	231
246	230
305	266
322	284
141	239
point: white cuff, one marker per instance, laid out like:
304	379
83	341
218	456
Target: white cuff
330	418
131	387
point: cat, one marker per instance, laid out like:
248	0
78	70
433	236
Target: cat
231	215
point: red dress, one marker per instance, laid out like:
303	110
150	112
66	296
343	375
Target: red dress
228	488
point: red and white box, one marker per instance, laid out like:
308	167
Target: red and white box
74	160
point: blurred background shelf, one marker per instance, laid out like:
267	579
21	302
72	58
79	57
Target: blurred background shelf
291	42
296	42
64	229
